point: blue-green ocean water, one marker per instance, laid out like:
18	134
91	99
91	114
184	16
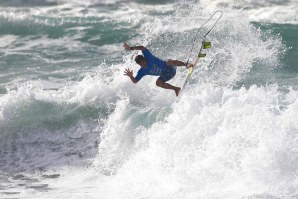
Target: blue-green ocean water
73	126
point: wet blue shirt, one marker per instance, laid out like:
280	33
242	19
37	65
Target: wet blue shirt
155	66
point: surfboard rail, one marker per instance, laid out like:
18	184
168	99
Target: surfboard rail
205	45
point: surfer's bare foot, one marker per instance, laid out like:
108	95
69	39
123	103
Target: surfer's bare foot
177	91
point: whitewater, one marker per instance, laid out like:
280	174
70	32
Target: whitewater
73	126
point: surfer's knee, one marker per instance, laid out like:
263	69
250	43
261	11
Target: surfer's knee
159	83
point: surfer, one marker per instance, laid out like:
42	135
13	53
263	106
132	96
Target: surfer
151	65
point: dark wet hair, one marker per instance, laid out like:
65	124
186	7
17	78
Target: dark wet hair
139	59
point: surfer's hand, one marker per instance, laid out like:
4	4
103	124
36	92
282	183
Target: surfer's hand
126	47
128	72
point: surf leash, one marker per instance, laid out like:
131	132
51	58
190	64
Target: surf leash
196	35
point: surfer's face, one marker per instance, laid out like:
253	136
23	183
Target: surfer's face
143	63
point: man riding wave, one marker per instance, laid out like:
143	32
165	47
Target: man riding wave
151	65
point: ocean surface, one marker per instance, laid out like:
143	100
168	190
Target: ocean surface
72	126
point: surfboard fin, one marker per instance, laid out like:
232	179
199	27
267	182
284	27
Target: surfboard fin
207	44
202	55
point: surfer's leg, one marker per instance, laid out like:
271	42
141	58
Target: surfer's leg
164	85
174	63
167	75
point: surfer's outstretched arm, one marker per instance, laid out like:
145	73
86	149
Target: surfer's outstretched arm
171	62
129	73
127	47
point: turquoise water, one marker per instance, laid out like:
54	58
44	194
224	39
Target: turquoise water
70	117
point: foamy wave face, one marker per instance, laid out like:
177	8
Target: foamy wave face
217	143
214	142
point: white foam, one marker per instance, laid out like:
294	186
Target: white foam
217	143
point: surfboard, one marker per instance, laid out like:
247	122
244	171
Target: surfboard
205	45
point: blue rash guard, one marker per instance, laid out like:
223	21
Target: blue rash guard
156	67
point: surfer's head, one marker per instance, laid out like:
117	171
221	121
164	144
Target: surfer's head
140	59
